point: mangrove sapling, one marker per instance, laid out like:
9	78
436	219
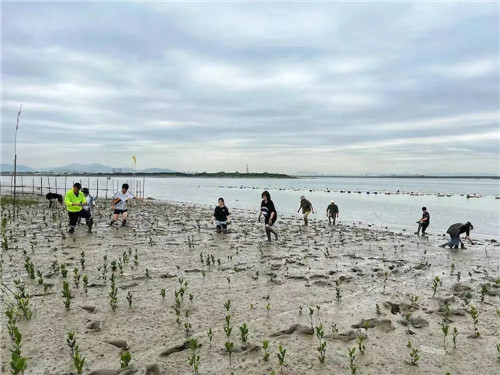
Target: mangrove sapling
445	329
18	362
484	290
458	276
385	281
352	359
361	339
71	341
129	298
413	301
113	299
85	280
229	348
475	318
178	314
334	328
300	310
228	282
281	357
338	294
147	273
114	266
78	362
268	307
244	332
435	283
76	277
125	359
194	360
66	292
227	305
228	329
454	337
40	277
136	259
413	354
23	300
210	335
187	329
322	344
82	259
162	293
467	298
265	346
311	312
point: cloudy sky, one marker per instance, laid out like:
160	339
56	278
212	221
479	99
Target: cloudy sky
284	87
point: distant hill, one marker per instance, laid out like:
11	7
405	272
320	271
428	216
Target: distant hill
82	168
10	168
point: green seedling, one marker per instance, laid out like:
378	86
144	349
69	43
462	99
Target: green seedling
66	292
311	313
377	309
361	339
11	322
114	266
445	329
447	310
268	307
281	357
244	332
64	271
191	297
76	278
40	277
385	280
352	360
228	329
229	348
178	314
78	362
187	329
194	359
136	259
484	290
300	310
18	362
210	335
338	293
228	282
413	354
23	298
413	301
265	347
82	259
162	293
125	359
435	283
227	305
129	298
475	318
71	341
334	328
113	299
454	337
322	344
85	280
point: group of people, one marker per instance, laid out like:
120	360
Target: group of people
79	204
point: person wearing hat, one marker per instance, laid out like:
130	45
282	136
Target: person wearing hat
221	217
455	231
306	207
332	212
74	201
424	222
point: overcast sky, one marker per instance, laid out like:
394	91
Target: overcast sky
328	88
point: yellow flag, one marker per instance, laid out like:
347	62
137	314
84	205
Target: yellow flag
135	160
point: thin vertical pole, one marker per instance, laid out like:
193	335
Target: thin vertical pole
55	180
88	182
65	178
41	185
143	185
107	179
22	185
33	181
97	193
48	179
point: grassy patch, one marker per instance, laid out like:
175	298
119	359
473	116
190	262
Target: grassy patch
20	201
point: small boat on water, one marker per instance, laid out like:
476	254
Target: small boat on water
474	196
440	195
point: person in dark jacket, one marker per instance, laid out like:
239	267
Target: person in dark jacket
306	207
53	198
424	222
222	217
455	231
270	215
332	211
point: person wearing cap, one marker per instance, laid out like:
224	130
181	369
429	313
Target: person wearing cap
424	222
455	231
332	212
74	201
306	207
221	217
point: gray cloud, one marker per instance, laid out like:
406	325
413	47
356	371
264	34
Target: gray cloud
336	88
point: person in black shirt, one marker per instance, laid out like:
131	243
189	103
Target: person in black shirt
424	222
221	217
332	211
306	207
455	231
270	215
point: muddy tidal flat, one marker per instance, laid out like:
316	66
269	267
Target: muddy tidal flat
168	277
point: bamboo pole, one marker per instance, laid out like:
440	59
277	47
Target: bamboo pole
41	185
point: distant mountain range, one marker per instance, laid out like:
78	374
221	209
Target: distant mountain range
82	168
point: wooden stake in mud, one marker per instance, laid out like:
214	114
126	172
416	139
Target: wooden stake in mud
41	185
97	193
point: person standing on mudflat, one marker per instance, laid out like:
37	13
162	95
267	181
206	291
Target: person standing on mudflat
306	207
74	201
424	222
221	217
455	231
119	204
270	215
332	211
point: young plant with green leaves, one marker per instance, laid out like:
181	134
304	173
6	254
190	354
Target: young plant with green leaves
78	362
244	332
475	318
82	260
265	347
71	341
125	359
414	357
113	294
454	336
229	348
322	344
352	360
129	298
162	293
210	335
66	292
445	329
435	283
338	294
11	322
18	363
85	280
76	277
281	357
361	339
194	359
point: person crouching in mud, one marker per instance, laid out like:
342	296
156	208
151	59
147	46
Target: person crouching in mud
75	200
455	231
270	215
119	204
222	217
306	207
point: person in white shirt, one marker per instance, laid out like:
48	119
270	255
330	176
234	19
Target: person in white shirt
89	206
119	204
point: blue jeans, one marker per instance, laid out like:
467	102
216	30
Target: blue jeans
455	241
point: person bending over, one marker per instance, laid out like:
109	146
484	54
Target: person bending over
221	217
270	215
455	231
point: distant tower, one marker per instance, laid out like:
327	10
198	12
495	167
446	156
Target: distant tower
247	168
